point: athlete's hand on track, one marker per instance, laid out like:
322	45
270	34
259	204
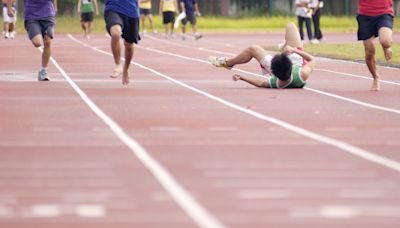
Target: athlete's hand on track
236	77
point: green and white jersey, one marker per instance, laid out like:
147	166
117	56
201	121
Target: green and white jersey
87	6
295	80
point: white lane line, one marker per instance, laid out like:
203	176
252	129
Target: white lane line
361	103
90	211
340	129
356	76
370	156
46	210
350	100
345	211
357	63
193	209
251	194
165	129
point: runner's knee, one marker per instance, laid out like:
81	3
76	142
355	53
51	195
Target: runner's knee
291	25
47	41
253	49
115	31
386	42
37	41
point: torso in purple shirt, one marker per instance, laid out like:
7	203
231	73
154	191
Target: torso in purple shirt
38	9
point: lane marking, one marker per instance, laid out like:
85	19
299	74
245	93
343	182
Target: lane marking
345	211
356	76
370	156
165	129
340	129
190	206
46	210
251	194
350	100
90	211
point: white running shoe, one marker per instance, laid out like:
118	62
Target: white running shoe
314	41
42	75
7	35
198	36
219	62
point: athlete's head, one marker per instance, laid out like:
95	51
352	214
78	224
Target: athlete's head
281	66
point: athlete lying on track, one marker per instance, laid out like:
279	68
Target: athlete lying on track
289	69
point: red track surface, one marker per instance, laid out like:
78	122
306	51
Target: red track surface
62	166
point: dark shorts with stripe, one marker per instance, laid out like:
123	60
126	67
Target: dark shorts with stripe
44	26
168	17
129	25
87	17
368	26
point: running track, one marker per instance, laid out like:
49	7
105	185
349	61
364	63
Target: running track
184	146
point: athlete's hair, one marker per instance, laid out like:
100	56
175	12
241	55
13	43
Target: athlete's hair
281	66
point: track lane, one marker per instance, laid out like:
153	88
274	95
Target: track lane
238	162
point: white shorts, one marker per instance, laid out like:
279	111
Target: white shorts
8	19
296	59
265	64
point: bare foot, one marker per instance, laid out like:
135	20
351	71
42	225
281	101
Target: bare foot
388	53
125	78
117	72
375	85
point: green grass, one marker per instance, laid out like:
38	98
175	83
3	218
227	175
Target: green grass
69	24
330	24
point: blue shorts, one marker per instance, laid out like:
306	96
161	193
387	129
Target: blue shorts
191	17
44	27
368	26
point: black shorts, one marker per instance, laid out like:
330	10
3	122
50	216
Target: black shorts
129	25
44	26
144	11
368	26
168	17
189	17
87	17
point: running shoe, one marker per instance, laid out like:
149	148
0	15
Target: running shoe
42	75
219	62
198	36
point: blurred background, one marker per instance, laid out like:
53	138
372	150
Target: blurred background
235	8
